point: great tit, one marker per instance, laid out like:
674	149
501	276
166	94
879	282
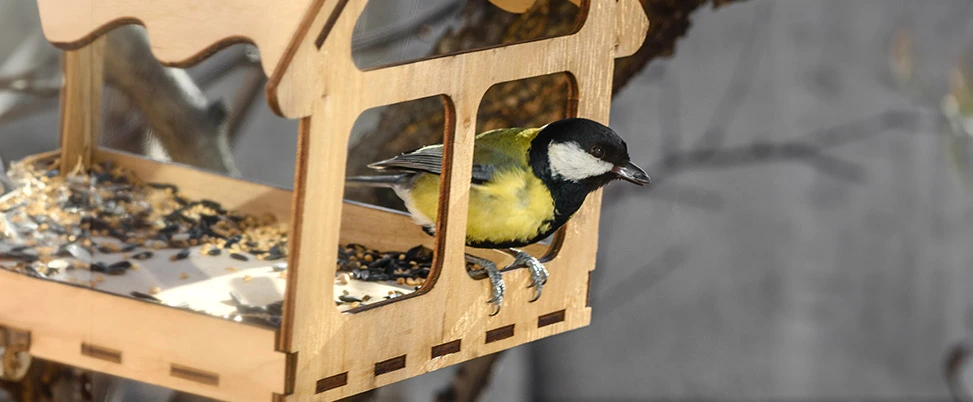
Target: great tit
527	183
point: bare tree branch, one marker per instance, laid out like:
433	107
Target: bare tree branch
191	129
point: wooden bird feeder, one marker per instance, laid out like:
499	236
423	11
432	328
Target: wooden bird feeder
319	352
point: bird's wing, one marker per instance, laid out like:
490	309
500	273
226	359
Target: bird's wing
429	159
493	150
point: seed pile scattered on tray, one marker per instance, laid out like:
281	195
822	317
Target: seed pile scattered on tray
52	223
408	268
50	215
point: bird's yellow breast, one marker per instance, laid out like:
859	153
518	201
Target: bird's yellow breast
514	205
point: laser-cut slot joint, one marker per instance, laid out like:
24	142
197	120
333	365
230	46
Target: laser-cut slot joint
290	373
501	333
389	365
446	348
195	375
101	353
587	292
550	318
329	383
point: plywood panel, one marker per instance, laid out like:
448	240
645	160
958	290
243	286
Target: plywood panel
181	32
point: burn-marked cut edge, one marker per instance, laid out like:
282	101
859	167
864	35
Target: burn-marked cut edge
550	318
101	353
389	365
446	348
193	374
329	383
501	333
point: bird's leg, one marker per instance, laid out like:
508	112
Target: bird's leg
538	274
496	280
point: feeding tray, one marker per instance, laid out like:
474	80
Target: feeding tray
180	337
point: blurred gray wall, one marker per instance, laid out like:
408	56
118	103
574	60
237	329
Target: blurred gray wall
843	276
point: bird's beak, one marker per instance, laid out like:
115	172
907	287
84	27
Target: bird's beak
632	173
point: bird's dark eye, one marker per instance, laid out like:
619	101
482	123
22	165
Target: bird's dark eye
597	151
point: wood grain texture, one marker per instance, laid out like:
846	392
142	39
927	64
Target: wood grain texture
147	337
181	32
323	86
80	123
332	354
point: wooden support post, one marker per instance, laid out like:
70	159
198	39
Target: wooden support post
81	104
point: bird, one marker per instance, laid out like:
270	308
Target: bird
526	184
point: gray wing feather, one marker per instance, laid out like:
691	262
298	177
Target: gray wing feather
429	159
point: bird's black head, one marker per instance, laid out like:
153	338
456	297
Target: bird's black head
582	153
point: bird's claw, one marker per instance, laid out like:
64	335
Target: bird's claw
538	273
497	286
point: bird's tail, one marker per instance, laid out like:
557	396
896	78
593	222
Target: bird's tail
377	181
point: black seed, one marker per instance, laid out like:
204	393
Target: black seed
127	247
213	251
381	263
163	186
196	232
144	255
250	309
209	219
212	205
124	264
419	254
169	229
349	299
232	240
115	271
145	296
26	257
98	267
105	250
275	253
238	256
180	255
104	177
177	216
378	277
275	308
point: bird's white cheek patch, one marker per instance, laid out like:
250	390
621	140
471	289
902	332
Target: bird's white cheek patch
572	163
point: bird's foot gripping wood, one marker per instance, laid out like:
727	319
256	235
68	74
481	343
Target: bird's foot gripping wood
496	280
538	273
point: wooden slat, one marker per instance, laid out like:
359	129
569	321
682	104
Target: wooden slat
181	32
81	104
145	339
